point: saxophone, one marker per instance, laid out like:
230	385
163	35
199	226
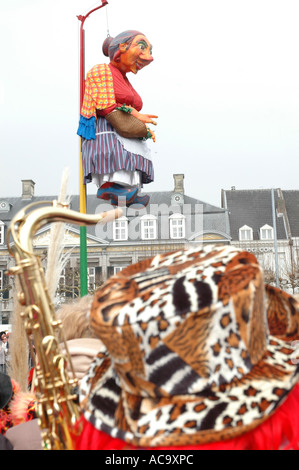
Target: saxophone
56	389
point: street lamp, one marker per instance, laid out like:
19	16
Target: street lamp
275	238
83	240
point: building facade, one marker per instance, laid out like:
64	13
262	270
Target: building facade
172	221
266	222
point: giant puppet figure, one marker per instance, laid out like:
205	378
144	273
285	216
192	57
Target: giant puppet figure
115	153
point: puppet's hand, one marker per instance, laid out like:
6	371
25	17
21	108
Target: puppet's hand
151	134
145	118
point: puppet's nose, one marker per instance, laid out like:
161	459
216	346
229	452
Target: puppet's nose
147	58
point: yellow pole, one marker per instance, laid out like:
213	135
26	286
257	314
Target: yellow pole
83	238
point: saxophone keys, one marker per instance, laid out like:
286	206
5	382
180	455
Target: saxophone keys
21	298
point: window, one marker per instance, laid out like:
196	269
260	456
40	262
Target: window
266	233
1	284
91	275
148	227
177	226
112	270
245	233
61	287
116	269
1	233
69	283
120	229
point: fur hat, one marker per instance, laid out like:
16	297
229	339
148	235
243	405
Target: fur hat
197	349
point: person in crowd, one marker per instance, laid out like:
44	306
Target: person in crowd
3	351
82	342
4	443
115	153
83	345
198	353
10	393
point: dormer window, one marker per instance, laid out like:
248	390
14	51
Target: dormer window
177	226
120	229
148	227
266	232
245	233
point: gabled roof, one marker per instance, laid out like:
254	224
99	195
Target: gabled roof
71	237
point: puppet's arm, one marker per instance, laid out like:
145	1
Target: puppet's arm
128	122
145	118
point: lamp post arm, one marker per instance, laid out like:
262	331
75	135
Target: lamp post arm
82	18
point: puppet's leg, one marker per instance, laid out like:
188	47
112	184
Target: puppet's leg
138	202
142	200
117	194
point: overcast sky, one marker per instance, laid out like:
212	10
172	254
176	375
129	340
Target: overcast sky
224	83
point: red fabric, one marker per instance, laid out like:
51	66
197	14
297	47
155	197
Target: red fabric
106	185
123	91
6	419
30	377
279	432
91	439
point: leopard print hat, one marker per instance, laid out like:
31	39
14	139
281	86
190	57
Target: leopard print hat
197	349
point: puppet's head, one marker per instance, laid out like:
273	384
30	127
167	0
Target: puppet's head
129	51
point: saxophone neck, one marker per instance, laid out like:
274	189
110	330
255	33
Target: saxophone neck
25	224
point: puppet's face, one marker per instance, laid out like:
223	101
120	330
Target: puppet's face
135	56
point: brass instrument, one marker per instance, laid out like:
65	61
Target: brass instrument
56	408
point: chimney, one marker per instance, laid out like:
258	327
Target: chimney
27	189
179	183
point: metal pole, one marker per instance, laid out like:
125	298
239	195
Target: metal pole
83	237
275	239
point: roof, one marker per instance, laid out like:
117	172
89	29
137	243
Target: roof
291	198
253	207
161	202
